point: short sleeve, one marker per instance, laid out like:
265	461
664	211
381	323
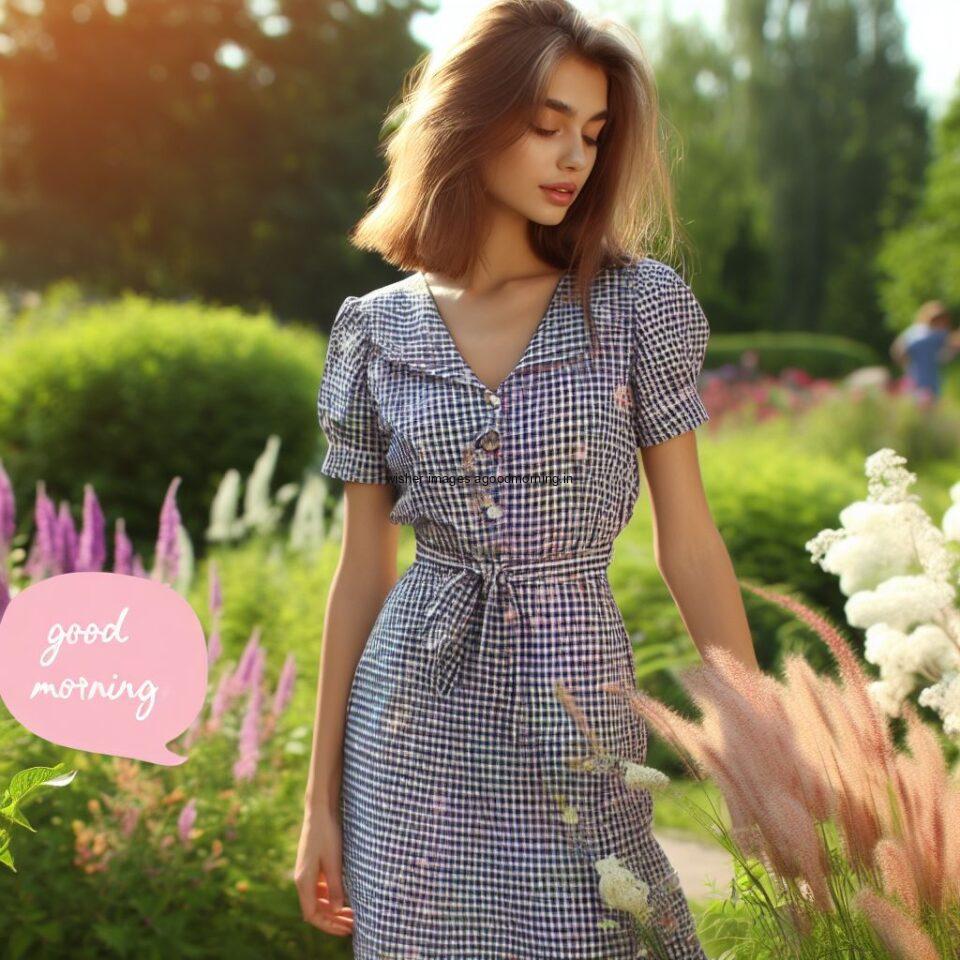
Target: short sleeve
356	445
669	342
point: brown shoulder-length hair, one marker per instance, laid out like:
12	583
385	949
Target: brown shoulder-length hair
483	95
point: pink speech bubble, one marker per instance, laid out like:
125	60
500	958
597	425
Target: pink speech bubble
104	662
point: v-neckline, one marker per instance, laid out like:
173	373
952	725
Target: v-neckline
448	336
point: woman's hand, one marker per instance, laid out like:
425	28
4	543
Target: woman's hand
318	874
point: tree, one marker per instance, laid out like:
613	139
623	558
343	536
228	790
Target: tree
921	260
191	147
842	143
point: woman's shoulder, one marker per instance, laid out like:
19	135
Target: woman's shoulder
648	275
390	317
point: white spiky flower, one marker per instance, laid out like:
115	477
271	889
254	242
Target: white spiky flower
951	519
621	889
638	777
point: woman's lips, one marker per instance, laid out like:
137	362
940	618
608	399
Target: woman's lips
561	198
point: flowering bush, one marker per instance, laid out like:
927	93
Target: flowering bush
899	571
58	548
738	394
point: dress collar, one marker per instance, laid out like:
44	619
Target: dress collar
411	331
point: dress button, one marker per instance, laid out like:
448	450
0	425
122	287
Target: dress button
491	398
494	511
490	441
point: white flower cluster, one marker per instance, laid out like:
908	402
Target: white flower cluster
900	572
262	511
639	777
621	889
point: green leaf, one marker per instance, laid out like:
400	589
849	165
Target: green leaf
26	781
13	815
5	855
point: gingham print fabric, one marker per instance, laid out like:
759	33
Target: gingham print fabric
474	807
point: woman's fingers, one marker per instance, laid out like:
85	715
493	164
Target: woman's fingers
339	921
323	895
331	925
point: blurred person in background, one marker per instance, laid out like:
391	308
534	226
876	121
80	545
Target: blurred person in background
924	346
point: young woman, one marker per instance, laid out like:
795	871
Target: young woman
495	399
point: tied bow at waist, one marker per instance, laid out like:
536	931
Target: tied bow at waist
487	581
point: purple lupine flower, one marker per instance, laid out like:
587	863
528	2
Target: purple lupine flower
284	689
241	676
67	538
186	820
138	569
8	511
167	554
193	731
33	565
92	548
45	560
221	699
122	548
214	647
4	594
216	597
257	667
249	745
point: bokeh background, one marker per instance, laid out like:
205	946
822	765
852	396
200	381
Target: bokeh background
176	184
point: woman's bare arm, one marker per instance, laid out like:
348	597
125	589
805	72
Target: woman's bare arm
366	572
690	553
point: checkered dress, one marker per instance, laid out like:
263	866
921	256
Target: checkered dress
469	829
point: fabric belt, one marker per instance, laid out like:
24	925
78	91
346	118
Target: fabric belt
488	581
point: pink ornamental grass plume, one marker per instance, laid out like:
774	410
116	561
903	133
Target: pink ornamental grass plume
898	933
122	549
167	559
883	792
92	548
8	512
789	755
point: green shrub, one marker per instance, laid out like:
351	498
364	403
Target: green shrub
129	394
850	425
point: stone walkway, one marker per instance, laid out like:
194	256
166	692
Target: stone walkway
698	863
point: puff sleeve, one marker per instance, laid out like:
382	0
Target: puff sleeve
356	445
669	341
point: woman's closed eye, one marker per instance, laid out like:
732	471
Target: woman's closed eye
541	131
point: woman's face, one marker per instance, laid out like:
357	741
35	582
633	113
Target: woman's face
559	150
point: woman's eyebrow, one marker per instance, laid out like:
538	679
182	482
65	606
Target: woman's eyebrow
566	109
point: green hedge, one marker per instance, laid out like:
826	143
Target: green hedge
821	355
129	394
